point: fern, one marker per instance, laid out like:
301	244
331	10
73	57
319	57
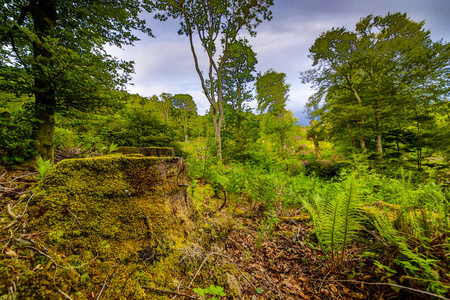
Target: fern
416	262
43	166
337	221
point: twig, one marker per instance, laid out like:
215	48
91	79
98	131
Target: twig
178	288
323	280
107	280
10	212
224	202
64	294
18	177
57	265
388	284
18	217
169	292
78	221
26	207
201	266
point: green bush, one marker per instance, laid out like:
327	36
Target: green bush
325	168
142	128
16	137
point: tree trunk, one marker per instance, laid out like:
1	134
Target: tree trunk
351	136
378	128
315	137
317	147
215	107
362	143
218	130
44	18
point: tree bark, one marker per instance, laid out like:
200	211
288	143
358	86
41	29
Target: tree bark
351	136
315	138
378	128
44	17
362	142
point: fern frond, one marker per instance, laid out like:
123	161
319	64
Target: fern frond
337	221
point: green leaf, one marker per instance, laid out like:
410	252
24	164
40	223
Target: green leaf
200	292
259	290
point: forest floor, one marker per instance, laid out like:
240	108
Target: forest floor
284	261
276	256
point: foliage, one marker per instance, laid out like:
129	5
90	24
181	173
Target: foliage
211	290
43	166
213	21
278	129
272	92
237	73
184	110
363	77
411	260
16	137
55	50
140	127
337	219
132	121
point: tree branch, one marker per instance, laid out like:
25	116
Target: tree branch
23	13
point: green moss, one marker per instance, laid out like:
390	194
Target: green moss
148	151
299	218
123	211
390	211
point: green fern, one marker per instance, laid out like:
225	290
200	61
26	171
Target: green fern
418	264
337	221
43	166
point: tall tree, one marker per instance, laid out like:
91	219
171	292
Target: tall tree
165	103
185	108
54	49
272	92
272	95
377	78
237	75
238	72
336	77
213	21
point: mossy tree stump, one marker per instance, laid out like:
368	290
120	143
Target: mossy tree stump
123	211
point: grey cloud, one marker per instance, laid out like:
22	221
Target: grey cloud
165	64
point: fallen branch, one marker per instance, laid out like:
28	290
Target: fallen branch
17	218
169	292
224	202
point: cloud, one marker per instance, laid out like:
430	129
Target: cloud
165	63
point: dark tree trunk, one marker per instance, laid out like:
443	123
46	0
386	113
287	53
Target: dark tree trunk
44	17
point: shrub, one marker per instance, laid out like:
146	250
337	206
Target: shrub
16	137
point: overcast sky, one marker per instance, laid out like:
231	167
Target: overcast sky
165	63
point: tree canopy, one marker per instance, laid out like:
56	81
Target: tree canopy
272	92
54	50
377	79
